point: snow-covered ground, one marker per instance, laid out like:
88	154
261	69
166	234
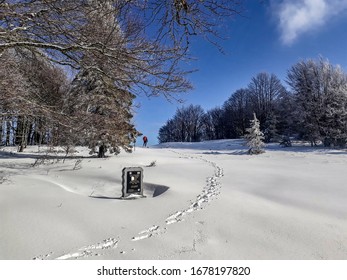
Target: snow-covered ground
208	200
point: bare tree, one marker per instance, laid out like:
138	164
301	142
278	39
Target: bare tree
186	126
169	132
31	96
237	113
148	60
265	90
213	124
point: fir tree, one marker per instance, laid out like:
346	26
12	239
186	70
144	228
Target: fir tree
105	110
100	94
255	137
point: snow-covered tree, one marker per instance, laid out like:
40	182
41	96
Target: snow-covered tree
31	93
255	137
100	94
101	113
320	96
334	128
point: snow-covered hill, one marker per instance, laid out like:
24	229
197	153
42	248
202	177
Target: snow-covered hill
208	200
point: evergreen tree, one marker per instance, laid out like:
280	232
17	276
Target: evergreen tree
255	137
105	111
100	93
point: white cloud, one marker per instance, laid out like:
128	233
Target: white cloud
297	17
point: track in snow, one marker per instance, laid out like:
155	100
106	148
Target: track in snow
209	192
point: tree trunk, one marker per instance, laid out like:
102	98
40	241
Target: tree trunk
21	133
2	123
102	150
8	132
1	130
30	135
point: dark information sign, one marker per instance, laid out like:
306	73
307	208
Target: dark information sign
132	181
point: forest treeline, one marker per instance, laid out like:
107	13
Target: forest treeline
113	51
312	107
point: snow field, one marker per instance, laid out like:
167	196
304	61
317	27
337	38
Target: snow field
206	200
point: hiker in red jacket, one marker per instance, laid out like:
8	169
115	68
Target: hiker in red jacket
145	140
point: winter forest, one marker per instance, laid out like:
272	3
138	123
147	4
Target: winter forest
81	80
70	70
312	108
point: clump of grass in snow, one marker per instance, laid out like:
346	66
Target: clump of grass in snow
152	164
78	164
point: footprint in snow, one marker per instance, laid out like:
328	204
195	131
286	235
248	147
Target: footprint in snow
91	250
147	233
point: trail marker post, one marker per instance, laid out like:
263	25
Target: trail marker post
132	181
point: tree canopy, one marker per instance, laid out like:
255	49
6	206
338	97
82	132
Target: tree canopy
143	41
118	49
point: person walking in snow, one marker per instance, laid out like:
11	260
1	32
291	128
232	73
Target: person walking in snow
145	140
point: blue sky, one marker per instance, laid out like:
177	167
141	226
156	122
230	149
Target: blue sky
269	36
